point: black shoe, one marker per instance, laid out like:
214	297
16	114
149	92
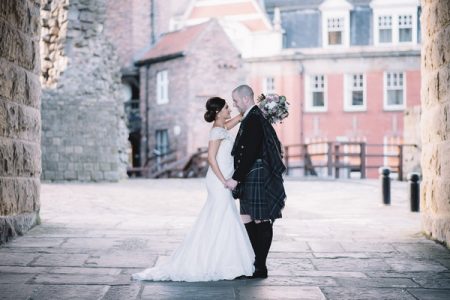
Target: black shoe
260	274
243	277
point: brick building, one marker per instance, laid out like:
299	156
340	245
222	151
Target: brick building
185	68
350	69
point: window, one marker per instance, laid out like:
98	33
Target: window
162	142
269	85
355	98
405	28
318	91
385	29
394	90
162	87
335	31
315	93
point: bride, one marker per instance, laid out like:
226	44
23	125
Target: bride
217	247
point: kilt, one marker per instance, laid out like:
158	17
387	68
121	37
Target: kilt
253	200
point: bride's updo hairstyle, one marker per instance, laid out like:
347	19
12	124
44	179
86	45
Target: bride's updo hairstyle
213	106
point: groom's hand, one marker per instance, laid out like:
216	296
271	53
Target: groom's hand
231	183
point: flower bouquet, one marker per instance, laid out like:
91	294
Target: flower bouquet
275	108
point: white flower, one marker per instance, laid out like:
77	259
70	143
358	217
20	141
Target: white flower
271	105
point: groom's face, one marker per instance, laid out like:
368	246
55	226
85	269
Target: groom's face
239	102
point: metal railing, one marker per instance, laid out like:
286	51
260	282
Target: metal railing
336	156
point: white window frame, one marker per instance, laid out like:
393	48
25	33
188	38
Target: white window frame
326	16
386	106
348	89
308	94
269	88
332	9
395	13
162	87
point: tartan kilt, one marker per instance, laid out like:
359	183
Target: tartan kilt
252	191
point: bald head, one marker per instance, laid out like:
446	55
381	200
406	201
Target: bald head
244	91
243	97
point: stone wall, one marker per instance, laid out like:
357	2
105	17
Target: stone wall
83	123
411	136
20	163
435	123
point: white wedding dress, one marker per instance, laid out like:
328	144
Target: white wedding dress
217	247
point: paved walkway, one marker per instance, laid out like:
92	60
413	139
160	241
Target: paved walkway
336	241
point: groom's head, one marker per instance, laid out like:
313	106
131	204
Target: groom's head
243	97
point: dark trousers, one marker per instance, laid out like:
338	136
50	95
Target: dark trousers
260	235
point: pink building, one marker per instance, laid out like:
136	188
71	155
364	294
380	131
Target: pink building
349	68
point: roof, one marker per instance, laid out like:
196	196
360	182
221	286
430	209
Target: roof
304	4
172	44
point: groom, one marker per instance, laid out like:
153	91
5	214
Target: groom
257	180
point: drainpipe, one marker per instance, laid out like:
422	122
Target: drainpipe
302	100
152	22
147	109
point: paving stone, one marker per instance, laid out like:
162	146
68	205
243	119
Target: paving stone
377	282
16	291
350	264
32	242
16	259
415	265
290	247
23	270
80	279
430	294
275	255
435	280
72	292
367	247
67	260
14	278
273	280
348	293
341	255
324	246
281	292
423	250
88	271
161	291
287	266
122	292
122	259
314	273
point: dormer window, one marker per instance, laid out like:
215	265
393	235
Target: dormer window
335	23
395	21
405	28
335	31
385	29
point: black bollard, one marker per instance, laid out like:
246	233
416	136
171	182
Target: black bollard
385	185
414	191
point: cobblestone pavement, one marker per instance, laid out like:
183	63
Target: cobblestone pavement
336	241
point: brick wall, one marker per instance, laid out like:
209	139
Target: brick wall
20	163
435	121
212	66
128	27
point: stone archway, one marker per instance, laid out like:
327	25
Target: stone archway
435	120
20	122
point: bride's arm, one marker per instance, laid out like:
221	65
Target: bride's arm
213	147
233	122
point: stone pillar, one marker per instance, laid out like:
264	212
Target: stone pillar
411	136
435	122
84	137
20	120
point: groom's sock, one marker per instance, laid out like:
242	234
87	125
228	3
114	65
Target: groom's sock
264	232
251	231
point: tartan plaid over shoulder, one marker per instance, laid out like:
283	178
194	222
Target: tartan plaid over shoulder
262	192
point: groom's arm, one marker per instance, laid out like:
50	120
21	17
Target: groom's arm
249	149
